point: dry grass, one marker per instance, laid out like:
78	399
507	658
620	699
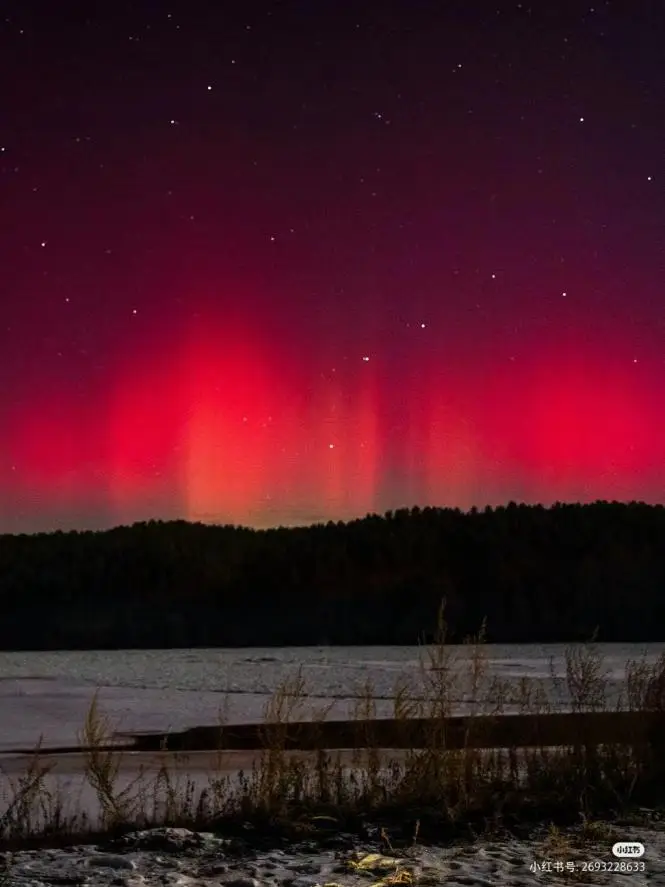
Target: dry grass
435	793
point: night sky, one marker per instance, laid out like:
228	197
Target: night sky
278	263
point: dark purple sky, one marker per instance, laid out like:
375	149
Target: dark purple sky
282	262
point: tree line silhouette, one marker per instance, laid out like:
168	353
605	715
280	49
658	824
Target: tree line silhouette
535	574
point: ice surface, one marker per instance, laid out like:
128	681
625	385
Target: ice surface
47	693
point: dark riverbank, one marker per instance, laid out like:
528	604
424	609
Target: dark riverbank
534	574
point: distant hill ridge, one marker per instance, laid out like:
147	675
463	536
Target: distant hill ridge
535	574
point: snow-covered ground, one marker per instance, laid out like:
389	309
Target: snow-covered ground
177	857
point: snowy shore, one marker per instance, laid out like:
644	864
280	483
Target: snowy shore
181	857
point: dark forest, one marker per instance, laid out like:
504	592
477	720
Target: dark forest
534	574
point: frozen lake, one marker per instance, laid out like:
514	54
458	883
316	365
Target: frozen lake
47	693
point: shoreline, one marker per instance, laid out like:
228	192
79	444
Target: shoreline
426	774
477	731
314	820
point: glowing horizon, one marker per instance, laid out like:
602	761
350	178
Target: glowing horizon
231	428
